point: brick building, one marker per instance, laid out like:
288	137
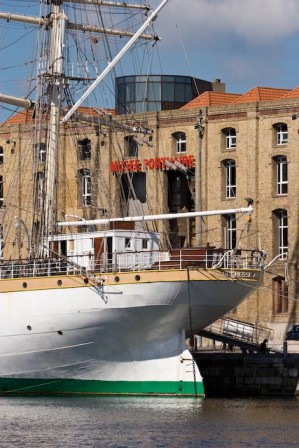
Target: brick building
248	150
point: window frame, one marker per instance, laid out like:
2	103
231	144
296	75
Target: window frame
40	186
40	152
180	141
85	187
281	175
280	295
131	147
230	179
230	138
230	231
1	191
84	148
281	232
282	134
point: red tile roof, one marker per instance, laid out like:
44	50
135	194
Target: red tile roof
262	94
211	99
293	94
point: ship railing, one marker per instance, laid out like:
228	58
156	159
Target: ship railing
239	259
179	259
38	268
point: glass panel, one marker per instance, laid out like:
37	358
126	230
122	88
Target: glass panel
141	91
167	92
154	92
180	93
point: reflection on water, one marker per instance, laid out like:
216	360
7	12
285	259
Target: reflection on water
148	422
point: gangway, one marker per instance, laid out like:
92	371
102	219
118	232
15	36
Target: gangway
233	333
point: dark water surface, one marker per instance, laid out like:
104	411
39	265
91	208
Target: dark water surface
148	422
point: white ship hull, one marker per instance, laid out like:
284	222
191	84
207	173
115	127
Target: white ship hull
59	335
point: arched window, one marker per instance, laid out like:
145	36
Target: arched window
230	138
281	175
180	142
280	218
281	131
229	166
84	178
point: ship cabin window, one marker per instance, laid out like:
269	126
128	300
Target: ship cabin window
131	146
180	141
84	147
229	178
40	152
281	175
1	155
280	295
230	138
145	244
128	244
280	232
229	231
1	192
85	186
281	133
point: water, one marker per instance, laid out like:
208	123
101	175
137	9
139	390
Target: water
147	422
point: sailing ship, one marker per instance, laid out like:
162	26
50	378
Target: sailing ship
81	314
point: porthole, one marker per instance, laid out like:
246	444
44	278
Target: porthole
137	278
116	279
29	327
60	332
25	285
59	283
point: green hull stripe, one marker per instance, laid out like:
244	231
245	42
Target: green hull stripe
26	386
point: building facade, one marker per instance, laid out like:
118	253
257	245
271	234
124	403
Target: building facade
221	151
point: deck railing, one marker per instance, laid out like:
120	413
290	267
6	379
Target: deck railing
133	261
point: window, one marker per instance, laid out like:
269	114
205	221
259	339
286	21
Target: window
128	243
84	147
280	295
1	192
230	231
180	141
40	182
131	146
281	133
145	243
179	195
85	186
230	138
281	232
1	155
230	178
40	152
281	163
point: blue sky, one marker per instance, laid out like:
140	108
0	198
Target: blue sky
245	43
